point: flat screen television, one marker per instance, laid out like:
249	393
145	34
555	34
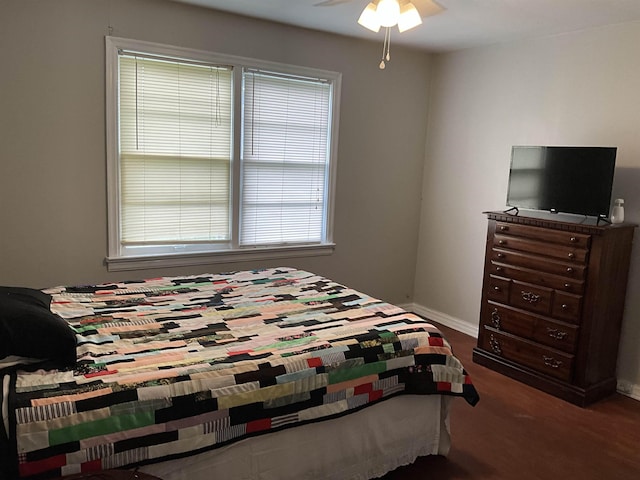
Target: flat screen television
576	180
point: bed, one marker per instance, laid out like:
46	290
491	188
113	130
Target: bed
271	374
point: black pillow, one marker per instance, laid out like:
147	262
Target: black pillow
29	329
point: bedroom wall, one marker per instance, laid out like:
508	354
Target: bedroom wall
572	89
52	153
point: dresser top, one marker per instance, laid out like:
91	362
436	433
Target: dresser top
569	223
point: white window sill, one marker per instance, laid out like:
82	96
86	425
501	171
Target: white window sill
117	264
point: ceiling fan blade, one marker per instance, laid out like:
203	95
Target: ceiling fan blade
330	3
428	8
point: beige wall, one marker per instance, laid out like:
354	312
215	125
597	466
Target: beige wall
52	148
574	89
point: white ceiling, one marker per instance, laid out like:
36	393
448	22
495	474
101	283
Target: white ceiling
464	23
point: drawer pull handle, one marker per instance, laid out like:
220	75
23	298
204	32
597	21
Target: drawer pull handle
495	318
504	228
502	242
572	255
497	289
494	343
569	270
567	285
551	362
500	255
573	239
557	334
530	297
565	306
498	269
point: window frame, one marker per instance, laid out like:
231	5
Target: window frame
115	260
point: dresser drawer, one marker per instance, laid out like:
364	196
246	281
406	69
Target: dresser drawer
534	327
531	297
562	252
498	289
545	235
544	264
549	361
538	278
567	307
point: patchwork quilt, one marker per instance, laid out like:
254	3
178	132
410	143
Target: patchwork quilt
177	365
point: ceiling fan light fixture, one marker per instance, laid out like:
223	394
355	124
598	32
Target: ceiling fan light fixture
388	12
409	17
369	18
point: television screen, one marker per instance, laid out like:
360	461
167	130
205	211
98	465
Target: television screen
574	180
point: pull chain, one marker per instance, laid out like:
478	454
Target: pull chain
386	48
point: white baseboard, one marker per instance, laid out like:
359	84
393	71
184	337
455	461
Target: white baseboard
443	319
628	389
624	388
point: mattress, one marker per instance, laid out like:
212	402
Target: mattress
196	365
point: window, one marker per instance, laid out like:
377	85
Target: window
175	152
284	159
214	156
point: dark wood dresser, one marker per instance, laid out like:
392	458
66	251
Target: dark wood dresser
552	303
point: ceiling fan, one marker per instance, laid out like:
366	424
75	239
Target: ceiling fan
426	8
406	14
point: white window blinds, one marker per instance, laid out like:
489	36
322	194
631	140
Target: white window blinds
285	159
175	151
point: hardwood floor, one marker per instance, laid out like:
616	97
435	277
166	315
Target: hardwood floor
518	432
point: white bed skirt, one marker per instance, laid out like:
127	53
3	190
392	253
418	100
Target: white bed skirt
363	445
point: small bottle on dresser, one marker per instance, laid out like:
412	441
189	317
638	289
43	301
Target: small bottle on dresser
617	212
